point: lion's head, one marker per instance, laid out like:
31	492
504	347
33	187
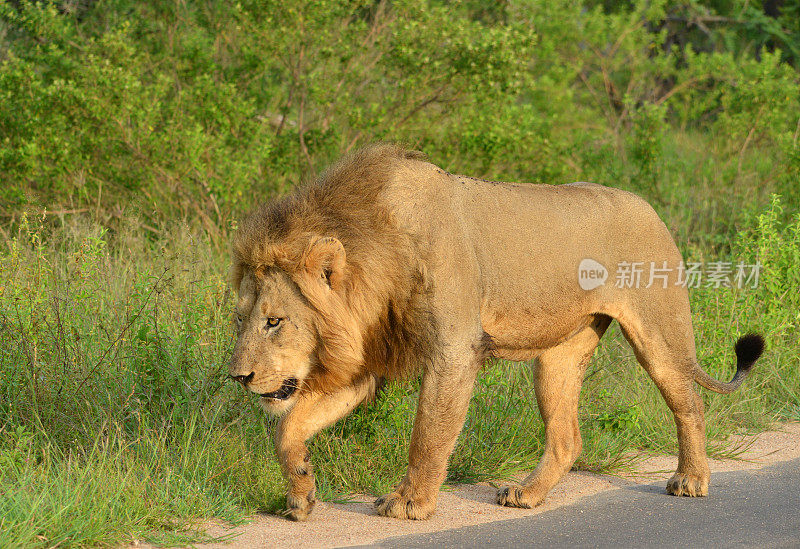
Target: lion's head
293	323
330	289
273	353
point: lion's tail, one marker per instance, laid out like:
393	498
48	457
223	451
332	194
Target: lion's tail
748	349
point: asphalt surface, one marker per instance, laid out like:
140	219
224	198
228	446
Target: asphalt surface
756	508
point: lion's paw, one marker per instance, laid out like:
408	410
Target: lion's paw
396	506
682	484
298	508
511	496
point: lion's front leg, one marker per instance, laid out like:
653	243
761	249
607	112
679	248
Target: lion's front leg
312	413
443	402
295	460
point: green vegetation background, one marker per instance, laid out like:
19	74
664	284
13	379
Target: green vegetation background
134	134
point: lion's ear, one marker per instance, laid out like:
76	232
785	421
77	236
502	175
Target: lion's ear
324	260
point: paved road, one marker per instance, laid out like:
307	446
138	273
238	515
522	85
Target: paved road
746	509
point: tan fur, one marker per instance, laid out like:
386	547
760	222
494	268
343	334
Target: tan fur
387	264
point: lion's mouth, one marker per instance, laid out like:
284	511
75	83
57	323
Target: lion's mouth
287	389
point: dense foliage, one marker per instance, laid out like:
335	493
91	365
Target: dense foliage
170	109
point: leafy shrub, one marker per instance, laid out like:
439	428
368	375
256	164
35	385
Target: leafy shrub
160	110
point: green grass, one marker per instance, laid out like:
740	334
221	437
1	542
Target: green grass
117	423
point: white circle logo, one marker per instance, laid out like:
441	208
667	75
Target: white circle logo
591	274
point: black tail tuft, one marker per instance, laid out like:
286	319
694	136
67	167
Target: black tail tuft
748	349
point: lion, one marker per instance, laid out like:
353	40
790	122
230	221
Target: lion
387	265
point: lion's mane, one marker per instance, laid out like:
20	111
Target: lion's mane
379	320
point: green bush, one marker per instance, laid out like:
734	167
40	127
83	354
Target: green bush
165	110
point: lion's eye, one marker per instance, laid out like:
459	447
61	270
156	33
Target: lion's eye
273	321
239	319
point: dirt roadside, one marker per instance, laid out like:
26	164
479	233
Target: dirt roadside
355	523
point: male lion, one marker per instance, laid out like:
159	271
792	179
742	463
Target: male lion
387	264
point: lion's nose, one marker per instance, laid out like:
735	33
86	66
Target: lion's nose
244	380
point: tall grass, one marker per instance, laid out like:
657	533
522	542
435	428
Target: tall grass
117	423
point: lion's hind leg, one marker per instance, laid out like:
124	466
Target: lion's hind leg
693	474
558	376
666	350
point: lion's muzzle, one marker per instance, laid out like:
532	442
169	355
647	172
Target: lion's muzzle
286	390
244	379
